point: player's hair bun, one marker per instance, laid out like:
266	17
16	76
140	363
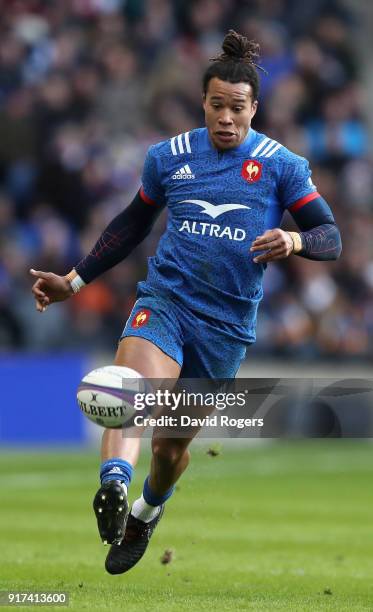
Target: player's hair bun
236	64
239	48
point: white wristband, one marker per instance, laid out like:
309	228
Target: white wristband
77	283
297	242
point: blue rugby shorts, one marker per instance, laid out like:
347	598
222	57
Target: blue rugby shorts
203	347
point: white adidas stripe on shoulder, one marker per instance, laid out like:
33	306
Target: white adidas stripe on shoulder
180	144
266	148
260	146
173	147
187	142
272	151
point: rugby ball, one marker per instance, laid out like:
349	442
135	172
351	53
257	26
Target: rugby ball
107	395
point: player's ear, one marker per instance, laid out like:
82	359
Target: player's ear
254	108
204	100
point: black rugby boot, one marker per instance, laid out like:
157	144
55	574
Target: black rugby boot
111	509
133	546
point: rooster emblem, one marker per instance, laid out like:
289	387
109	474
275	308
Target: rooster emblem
251	171
140	318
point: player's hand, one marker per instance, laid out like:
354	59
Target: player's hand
49	288
277	243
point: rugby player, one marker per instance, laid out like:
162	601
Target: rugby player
226	188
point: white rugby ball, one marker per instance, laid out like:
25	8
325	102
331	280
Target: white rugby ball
106	395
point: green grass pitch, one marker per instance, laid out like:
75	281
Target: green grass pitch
283	526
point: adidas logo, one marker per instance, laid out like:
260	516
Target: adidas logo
115	470
184	173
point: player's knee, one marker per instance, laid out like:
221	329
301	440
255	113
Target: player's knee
169	452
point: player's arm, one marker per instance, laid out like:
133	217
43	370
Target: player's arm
120	237
118	240
319	238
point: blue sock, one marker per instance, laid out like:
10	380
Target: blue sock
116	469
151	498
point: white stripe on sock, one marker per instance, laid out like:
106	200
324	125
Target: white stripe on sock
144	511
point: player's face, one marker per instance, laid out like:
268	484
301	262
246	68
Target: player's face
229	109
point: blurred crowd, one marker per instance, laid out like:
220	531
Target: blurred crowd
87	85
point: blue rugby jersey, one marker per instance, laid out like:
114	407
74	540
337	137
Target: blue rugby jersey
218	203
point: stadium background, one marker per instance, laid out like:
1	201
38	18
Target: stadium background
85	87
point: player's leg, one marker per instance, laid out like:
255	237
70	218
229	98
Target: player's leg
120	448
170	458
170	454
146	358
212	351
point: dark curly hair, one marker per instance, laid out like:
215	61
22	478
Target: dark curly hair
236	64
